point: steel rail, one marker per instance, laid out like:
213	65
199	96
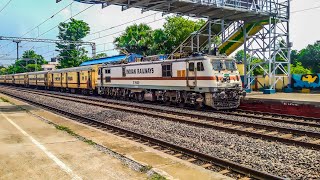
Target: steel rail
244	113
199	122
250	172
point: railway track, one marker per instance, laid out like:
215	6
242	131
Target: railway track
289	136
298	120
223	166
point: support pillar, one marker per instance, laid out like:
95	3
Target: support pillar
210	35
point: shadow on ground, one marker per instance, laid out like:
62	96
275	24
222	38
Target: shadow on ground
16	108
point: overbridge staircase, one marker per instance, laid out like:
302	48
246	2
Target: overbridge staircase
226	37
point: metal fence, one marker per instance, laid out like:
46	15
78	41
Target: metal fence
263	6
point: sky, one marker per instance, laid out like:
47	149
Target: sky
21	16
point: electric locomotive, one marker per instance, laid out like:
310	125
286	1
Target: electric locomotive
197	81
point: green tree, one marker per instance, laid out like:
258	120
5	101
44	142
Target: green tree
101	55
72	55
31	58
33	67
258	70
136	39
159	42
27	63
299	69
178	29
3	70
294	56
141	39
310	57
240	56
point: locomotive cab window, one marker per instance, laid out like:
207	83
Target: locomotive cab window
200	66
99	72
218	65
191	66
231	65
166	70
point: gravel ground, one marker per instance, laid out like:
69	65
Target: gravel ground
276	158
219	115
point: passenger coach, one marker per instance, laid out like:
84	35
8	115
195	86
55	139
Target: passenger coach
78	79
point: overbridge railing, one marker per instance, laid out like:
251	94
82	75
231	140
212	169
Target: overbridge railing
264	6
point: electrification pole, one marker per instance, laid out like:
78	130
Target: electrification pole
17	41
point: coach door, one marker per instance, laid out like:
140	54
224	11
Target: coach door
89	79
108	75
45	80
67	80
191	74
101	76
52	80
78	79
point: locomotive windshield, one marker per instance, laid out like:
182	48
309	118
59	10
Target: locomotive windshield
218	65
230	65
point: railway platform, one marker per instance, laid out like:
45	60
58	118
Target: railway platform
33	148
295	104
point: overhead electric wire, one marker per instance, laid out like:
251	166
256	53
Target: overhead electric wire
51	17
116	33
124	30
66	20
122	24
48	19
6	5
56	26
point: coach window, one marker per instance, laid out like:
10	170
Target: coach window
108	71
166	70
191	66
200	66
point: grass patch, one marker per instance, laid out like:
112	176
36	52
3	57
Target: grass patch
69	131
89	142
4	100
66	129
157	177
145	169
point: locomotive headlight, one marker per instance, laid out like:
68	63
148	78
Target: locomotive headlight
223	95
215	89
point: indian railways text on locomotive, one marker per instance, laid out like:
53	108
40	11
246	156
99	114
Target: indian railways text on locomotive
140	71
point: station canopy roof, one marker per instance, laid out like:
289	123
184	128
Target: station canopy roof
111	59
214	9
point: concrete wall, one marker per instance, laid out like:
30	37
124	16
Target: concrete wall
261	82
306	81
298	82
